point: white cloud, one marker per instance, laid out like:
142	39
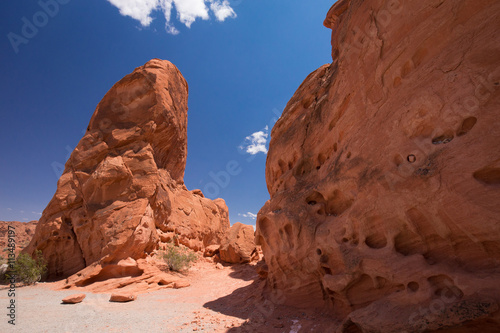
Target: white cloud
256	143
9	208
222	10
249	215
187	10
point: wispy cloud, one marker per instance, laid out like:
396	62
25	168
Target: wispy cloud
249	215
187	10
9	208
256	142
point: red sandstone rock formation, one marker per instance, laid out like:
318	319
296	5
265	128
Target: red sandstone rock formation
24	232
384	172
238	246
122	194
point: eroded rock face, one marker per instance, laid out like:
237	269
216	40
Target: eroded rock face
122	193
384	171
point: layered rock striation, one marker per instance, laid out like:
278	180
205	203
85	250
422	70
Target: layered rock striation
122	194
384	172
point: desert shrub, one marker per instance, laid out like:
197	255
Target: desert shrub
177	258
30	270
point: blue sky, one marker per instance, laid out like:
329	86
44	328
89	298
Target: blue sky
243	60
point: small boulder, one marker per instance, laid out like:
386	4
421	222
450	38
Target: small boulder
122	298
74	299
211	250
238	246
181	284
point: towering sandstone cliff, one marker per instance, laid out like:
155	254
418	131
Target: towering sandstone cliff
122	194
384	172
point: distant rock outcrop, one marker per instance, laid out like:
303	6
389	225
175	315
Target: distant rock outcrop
24	231
238	246
384	172
122	194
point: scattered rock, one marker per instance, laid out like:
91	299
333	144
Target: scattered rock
238	246
122	298
74	299
219	266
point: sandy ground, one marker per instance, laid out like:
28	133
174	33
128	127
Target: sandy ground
218	300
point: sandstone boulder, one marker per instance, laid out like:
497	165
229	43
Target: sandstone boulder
122	193
238	246
122	298
74	299
383	172
211	250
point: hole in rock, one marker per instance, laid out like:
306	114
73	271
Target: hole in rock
338	203
443	139
411	158
488	175
443	286
326	270
349	155
323	259
55	233
303	168
376	241
335	147
319	252
467	125
67	221
413	286
351	327
312	202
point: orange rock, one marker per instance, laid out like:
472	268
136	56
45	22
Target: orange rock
74	299
122	193
24	232
181	284
211	250
383	172
238	246
122	298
